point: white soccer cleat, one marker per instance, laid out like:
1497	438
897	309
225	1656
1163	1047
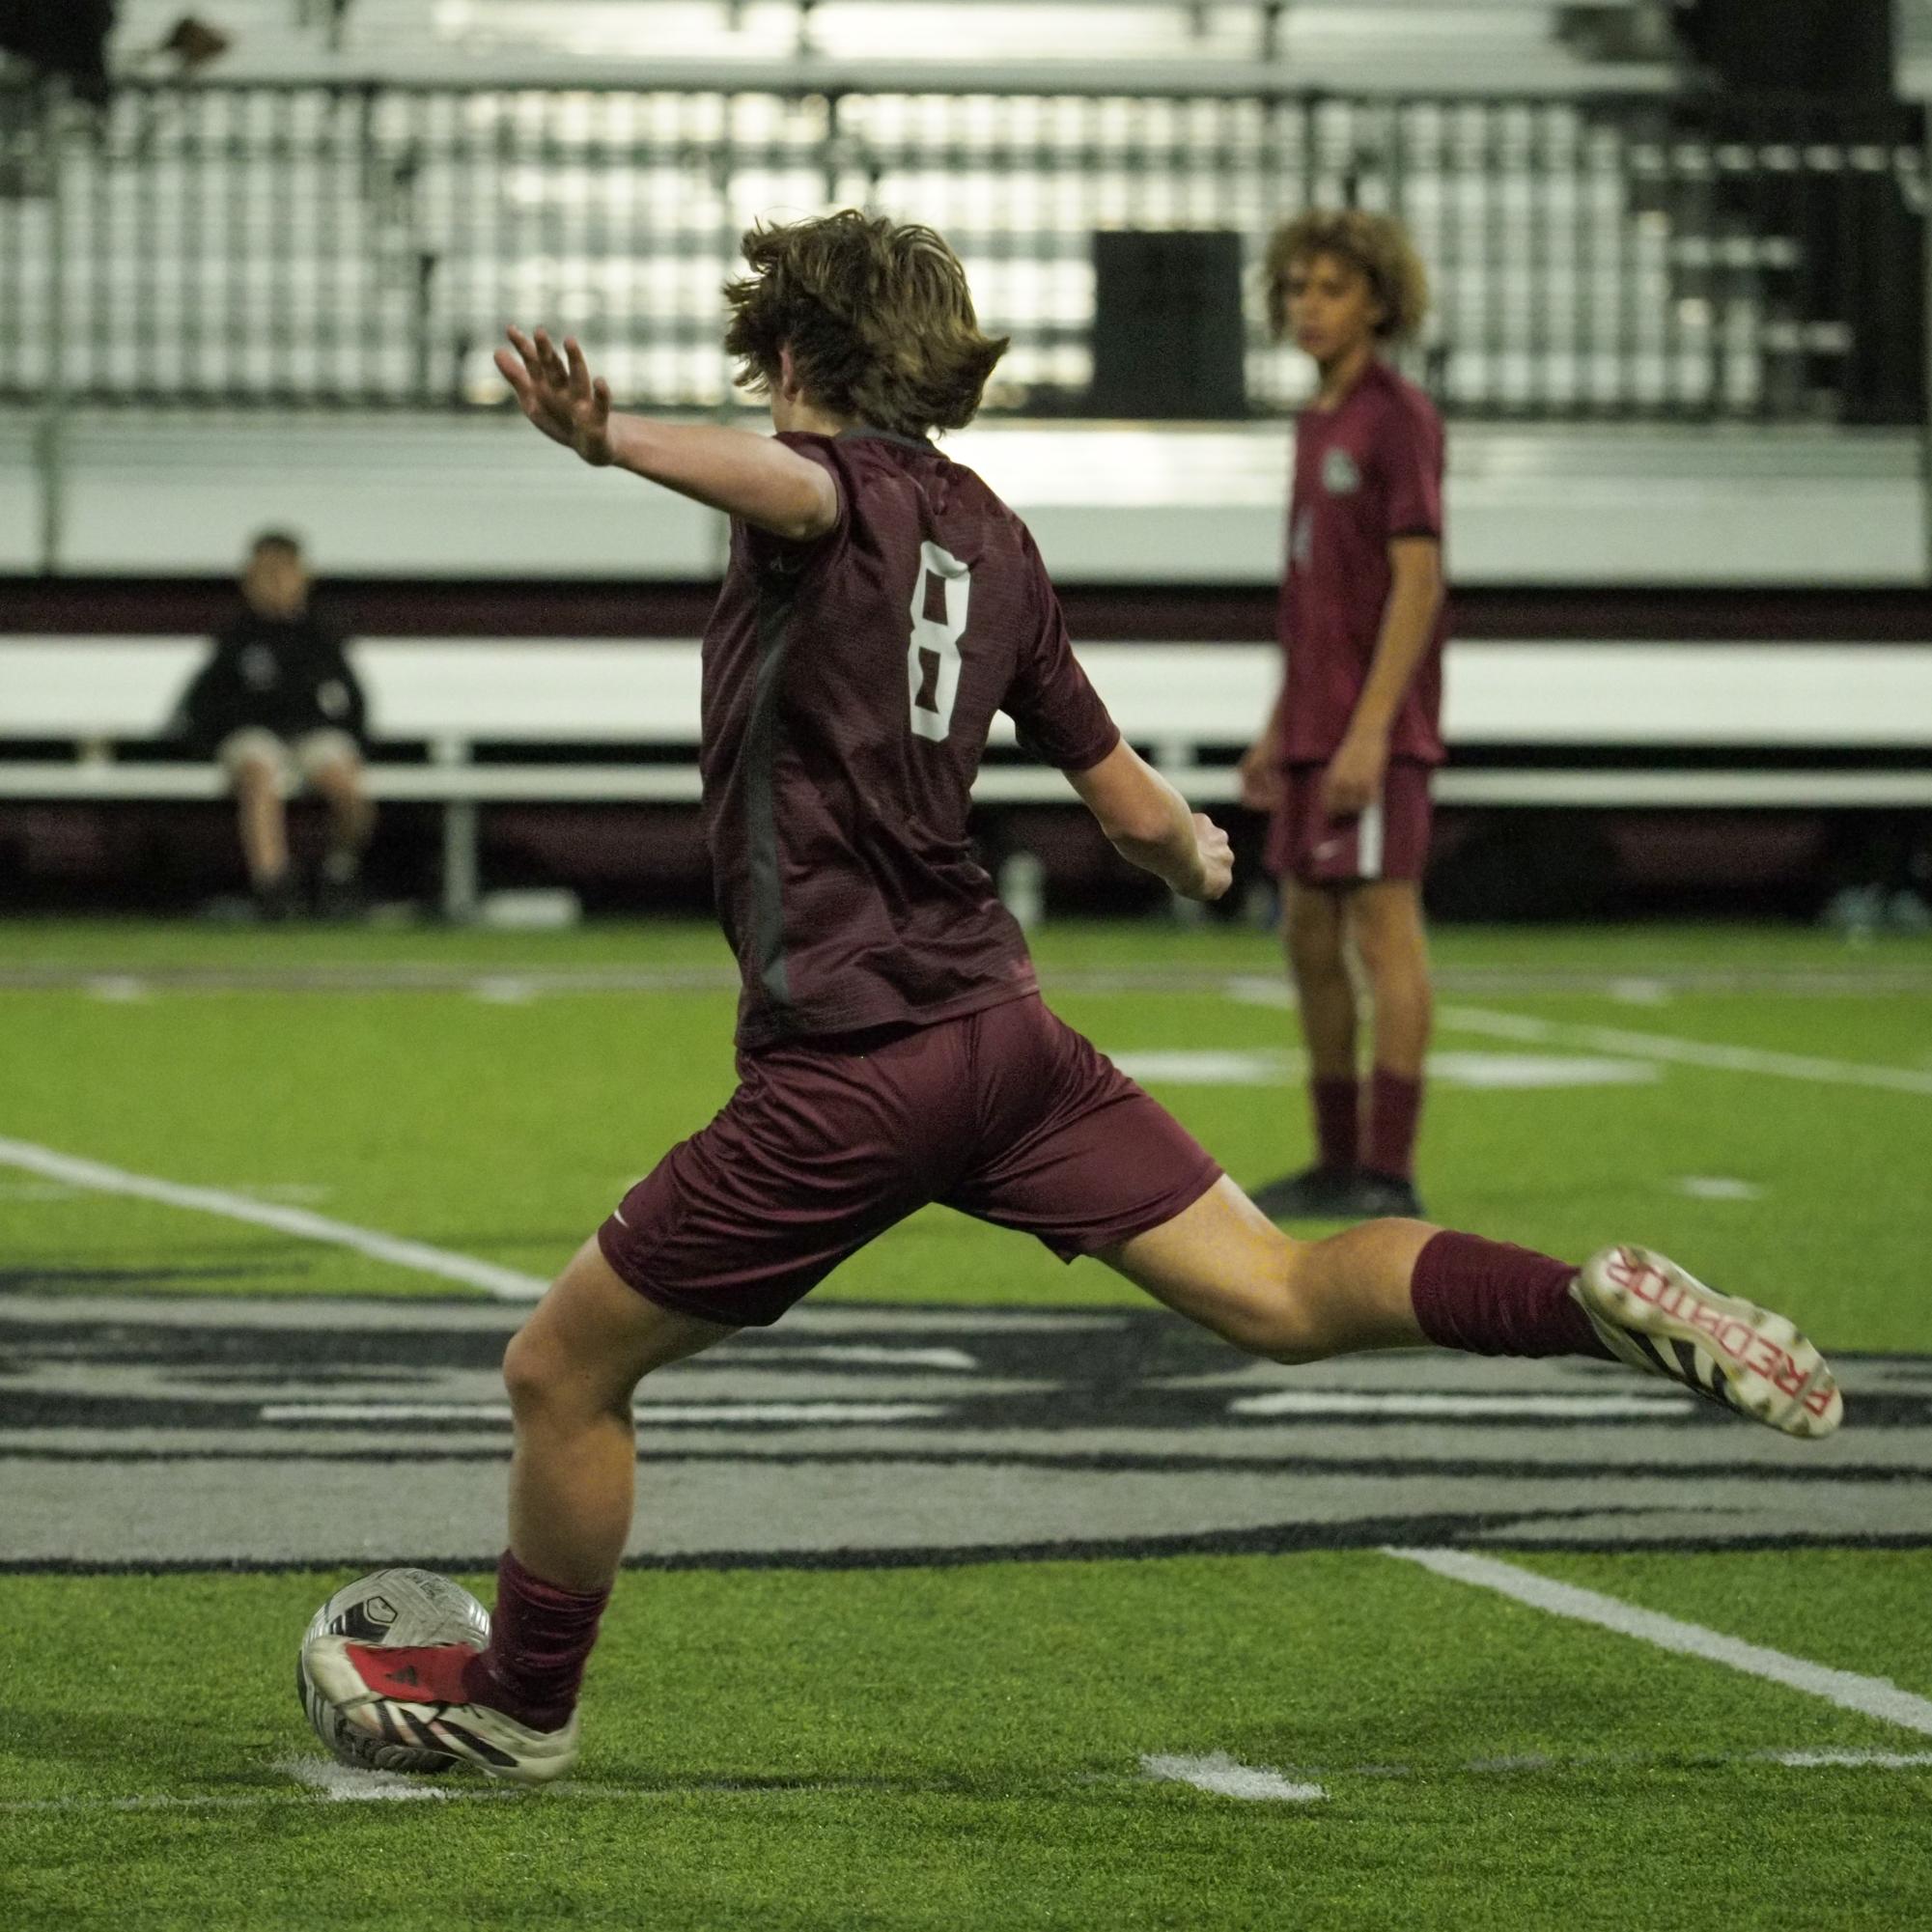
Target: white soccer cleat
1648	1312
413	1698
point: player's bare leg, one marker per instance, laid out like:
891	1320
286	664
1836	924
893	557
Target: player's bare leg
1314	927
1385	926
351	812
351	816
1315	931
1225	1265
263	823
1384	919
571	1371
1397	1283
511	1710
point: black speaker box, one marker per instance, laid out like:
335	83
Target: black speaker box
1840	48
1167	327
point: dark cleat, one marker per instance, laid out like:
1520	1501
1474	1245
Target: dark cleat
340	900
275	901
1374	1197
1314	1194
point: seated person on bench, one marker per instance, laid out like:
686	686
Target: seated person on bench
279	707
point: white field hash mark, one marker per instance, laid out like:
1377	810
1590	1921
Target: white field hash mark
345	1783
1873	1697
1719	1187
1221	1775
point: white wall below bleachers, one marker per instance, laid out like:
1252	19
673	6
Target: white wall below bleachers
438	495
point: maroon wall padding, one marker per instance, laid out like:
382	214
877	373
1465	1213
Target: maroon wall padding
1111	613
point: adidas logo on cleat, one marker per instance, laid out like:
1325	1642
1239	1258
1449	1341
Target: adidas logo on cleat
365	1689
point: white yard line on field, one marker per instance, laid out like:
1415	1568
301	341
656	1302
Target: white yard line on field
505	1283
1875	1696
1668	1047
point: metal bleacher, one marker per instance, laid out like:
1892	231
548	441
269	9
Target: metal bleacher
343	212
340	224
1344	44
326	238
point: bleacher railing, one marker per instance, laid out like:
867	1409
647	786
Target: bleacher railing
328	246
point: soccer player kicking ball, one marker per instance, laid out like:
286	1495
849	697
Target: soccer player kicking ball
880	607
1344	762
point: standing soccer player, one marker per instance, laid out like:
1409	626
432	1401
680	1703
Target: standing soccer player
1343	766
880	607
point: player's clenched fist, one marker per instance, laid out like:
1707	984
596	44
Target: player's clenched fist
1262	785
559	396
1216	858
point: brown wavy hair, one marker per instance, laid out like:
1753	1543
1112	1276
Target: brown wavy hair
876	315
1377	244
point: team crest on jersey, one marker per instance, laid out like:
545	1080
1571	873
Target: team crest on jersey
1339	475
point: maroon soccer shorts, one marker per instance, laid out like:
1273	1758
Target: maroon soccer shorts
1006	1114
1389	840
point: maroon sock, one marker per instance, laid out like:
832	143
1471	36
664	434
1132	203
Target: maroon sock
1489	1298
539	1637
1338	1121
1394	1108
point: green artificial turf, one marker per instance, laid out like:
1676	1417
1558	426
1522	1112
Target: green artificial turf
507	1131
963	1748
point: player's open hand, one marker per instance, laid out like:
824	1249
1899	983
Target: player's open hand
559	395
1217	858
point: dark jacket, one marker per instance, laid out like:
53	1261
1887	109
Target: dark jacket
288	676
67	37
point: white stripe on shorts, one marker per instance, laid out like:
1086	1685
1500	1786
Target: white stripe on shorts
1368	841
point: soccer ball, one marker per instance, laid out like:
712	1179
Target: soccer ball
402	1606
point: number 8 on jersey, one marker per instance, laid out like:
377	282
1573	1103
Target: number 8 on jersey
940	594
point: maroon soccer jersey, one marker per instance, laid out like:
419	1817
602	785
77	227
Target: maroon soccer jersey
849	687
1366	472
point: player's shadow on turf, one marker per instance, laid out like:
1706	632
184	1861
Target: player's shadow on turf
724	1782
125	1741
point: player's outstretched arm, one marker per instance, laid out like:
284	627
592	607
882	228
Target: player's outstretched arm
745	475
1150	825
